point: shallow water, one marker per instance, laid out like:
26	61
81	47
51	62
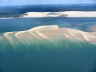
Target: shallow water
35	55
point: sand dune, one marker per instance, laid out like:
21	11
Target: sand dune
61	14
51	33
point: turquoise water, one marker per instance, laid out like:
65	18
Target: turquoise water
42	55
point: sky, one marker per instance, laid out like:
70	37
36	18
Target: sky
32	2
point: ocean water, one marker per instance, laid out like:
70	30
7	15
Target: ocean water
33	55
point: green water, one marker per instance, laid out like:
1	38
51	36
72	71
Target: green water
47	56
